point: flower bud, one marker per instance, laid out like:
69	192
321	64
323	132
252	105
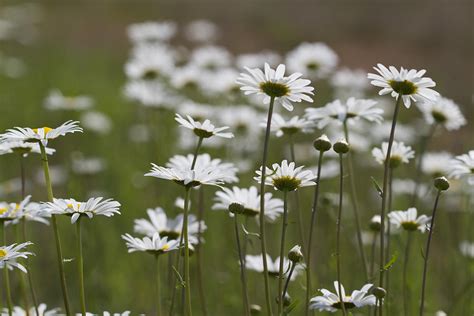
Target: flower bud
375	223
255	309
441	183
378	292
295	255
322	143
236	208
341	146
287	300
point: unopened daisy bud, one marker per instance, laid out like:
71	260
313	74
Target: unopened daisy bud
375	223
255	309
441	183
322	143
295	255
287	300
236	208
378	292
341	146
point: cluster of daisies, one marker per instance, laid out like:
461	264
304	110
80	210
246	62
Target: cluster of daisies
233	106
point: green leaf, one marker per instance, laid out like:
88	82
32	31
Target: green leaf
247	233
181	282
389	264
377	186
291	307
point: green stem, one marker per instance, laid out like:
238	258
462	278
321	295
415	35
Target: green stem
200	280
285	289
178	267
57	237
338	234
387	253
187	278
196	152
372	256
355	206
282	252
243	277
262	208
384	196
80	266
158	294
6	277
28	268
427	252
21	275
311	229
405	274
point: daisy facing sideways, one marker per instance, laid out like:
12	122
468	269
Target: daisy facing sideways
202	130
10	254
154	245
255	263
409	220
287	177
463	166
331	302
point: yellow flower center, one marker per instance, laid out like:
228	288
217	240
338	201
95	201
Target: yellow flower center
46	130
3	253
274	89
404	87
3	210
165	247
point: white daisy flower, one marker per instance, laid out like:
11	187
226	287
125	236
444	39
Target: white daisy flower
255	263
87	165
75	209
443	111
286	177
189	76
158	222
467	248
436	164
154	245
151	32
12	211
203	130
294	125
210	58
408	220
42	309
331	302
380	132
350	111
315	60
218	82
149	62
57	101
273	84
410	84
96	121
399	154
348	82
198	111
10	254
258	59
201	31
19	147
43	134
407	186
150	93
30	211
250	200
463	166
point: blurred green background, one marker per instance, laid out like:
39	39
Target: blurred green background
81	47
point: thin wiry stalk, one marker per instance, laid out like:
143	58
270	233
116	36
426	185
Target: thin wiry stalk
285	289
28	269
297	198
21	276
243	277
262	209
387	254
57	237
157	278
355	205
282	251
384	196
311	229
196	152
338	234
406	302
200	281
427	252
80	267
6	278
187	278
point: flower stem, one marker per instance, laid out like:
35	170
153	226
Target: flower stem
6	277
200	281
158	294
311	229
243	277
427	251
28	268
282	252
355	206
338	235
405	273
387	253
262	208
187	278
297	198
384	196
196	152
80	266
285	289
178	267
57	237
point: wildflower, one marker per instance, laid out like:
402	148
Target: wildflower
250	200
30	211
290	127
257	59
315	60
87	166
10	254
349	82
19	147
443	111
295	255
410	85
43	134
273	84
210	58
331	302
155	244
201	31
97	122
463	166
57	101
467	248
340	112
399	154
42	309
408	220
322	143
75	209
203	130
149	62
286	177
255	263
151	32
436	164
12	211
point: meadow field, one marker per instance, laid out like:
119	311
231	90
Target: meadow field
164	112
